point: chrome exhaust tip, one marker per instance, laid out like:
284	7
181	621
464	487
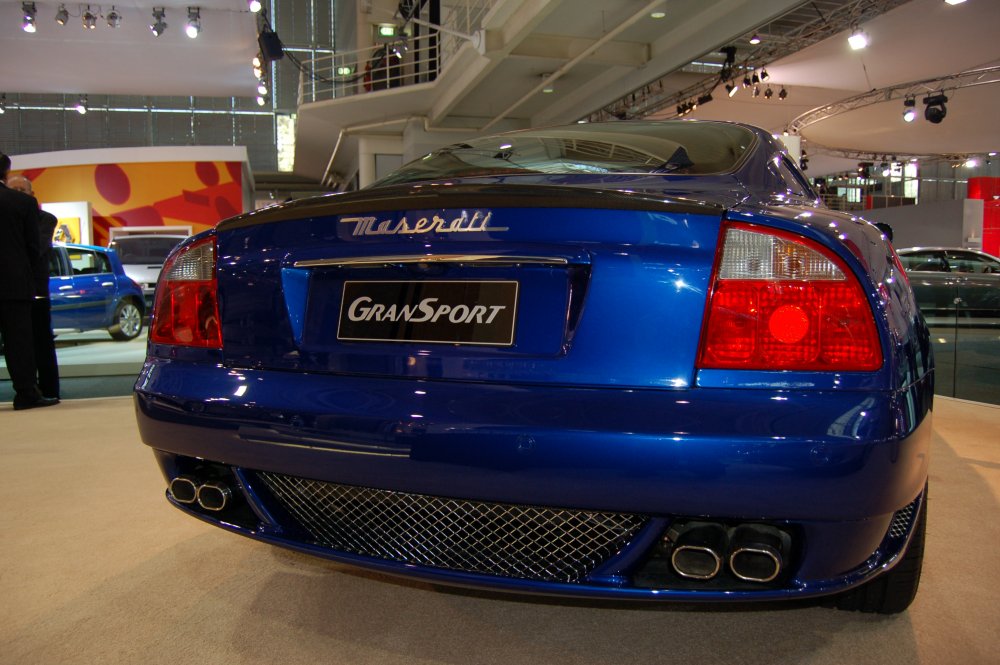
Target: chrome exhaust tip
697	549
214	496
756	553
183	489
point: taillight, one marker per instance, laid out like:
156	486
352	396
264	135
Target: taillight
186	311
780	301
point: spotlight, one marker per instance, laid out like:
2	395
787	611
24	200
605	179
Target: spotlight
262	86
159	23
909	109
768	93
858	39
81	105
731	88
804	164
194	22
114	18
936	110
756	79
756	91
89	19
764	75
28	11
755	39
261	100
253	6
782	94
62	15
3	103
971	163
746	81
953	2
705	99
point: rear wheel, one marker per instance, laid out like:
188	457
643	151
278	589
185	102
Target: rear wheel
127	322
893	592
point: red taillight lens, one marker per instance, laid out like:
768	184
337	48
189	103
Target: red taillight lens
782	302
186	311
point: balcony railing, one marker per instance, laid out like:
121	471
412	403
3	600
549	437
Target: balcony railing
419	53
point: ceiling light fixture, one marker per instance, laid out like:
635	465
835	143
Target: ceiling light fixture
62	15
755	39
3	103
262	86
746	81
114	18
732	88
768	93
159	23
253	6
936	110
909	109
81	105
782	94
29	12
953	2
755	79
764	75
971	163
858	39
261	100
657	14
193	27
756	91
89	19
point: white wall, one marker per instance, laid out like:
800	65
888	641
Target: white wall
940	223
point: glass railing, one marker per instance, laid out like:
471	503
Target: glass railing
966	355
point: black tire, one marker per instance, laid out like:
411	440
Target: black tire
892	592
127	322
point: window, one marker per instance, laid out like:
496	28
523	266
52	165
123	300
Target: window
88	262
924	261
970	262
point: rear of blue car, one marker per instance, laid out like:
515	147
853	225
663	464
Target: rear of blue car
545	389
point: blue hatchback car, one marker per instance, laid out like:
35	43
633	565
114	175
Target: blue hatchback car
633	360
89	290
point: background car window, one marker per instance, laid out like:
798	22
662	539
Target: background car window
55	267
87	262
924	261
968	262
144	250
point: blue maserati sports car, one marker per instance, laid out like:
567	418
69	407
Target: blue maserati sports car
633	360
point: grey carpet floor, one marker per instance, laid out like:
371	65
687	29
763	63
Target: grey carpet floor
96	567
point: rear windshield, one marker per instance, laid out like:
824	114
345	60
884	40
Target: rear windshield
688	148
144	250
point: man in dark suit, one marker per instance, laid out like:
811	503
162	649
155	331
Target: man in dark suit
19	251
41	308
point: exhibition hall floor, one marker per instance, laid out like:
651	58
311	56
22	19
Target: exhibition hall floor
97	567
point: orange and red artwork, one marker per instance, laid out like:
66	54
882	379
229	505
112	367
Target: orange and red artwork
195	195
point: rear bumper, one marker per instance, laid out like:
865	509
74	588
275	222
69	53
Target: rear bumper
832	466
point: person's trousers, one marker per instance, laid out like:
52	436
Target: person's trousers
18	347
45	347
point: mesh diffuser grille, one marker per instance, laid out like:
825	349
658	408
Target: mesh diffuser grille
525	542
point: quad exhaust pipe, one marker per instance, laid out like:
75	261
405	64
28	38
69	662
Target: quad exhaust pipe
212	495
752	552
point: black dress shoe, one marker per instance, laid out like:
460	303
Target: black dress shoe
35	403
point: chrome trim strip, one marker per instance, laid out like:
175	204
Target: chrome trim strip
487	259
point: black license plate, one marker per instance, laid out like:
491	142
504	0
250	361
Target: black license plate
442	312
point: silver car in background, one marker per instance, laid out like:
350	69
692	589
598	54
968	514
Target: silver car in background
951	281
142	256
